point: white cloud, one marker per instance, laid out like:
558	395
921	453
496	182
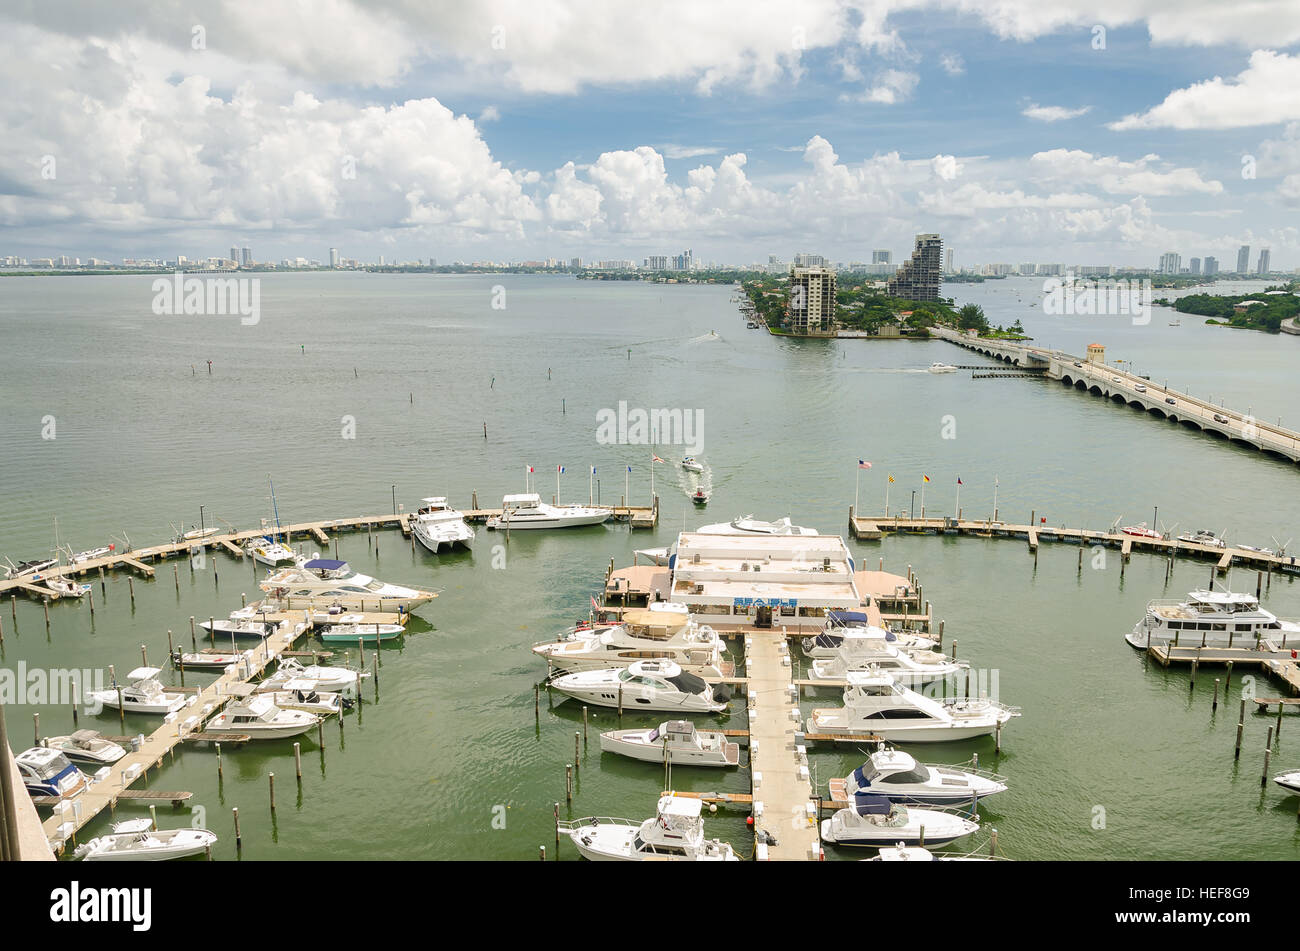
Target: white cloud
952	64
1267	91
946	167
490	114
1052	113
891	86
688	151
1146	176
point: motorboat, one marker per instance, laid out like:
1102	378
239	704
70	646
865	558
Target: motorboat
47	772
864	648
246	622
840	624
748	525
13	572
691	464
675	833
643	634
942	368
143	693
91	554
85	746
897	775
1140	531
342	680
363	633
257	716
700	497
268	551
676	742
436	525
1289	781
135	840
874	820
645	685
1175	323
305	695
878	704
1212	619
1257	550
207	659
914	853
325	582
1203	537
528	511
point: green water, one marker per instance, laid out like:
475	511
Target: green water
421	363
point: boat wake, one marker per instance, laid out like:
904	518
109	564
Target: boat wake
712	337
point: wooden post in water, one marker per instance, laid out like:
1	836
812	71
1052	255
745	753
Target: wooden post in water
220	772
121	710
130	584
1241	725
1278	732
1214	704
557	831
76	698
193	642
176	576
13	610
91	593
297	761
45	603
584	722
271	777
577	759
36	720
239	839
568	783
543	852
1268	753
212	629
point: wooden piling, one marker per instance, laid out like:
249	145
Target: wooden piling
1214	704
297	761
1268	753
1241	725
271	778
239	839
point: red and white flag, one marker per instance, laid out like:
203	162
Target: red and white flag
655	458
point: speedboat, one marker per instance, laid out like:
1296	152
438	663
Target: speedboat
863	648
85	746
1210	619
13	572
700	497
1289	781
142	694
268	551
1140	531
1257	550
914	853
325	582
656	633
645	685
208	659
342	680
877	704
242	623
436	525
874	820
942	368
690	464
135	840
1203	537
676	741
47	772
364	633
676	834
897	775
527	510
748	525
305	695
260	719
839	624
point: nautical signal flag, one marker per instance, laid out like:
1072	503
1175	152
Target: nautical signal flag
629	468
653	458
862	464
891	478
559	468
959	480
530	468
593	470
925	478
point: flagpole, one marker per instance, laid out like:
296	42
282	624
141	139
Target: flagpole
652	484
922	497
887	481
856	479
995	498
626	476
591	482
957	513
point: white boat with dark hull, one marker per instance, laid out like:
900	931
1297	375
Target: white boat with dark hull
1203	537
207	660
840	624
323	582
879	705
1289	781
691	464
85	746
1211	619
897	775
675	834
91	554
866	648
873	820
256	716
528	511
143	693
748	525
676	742
245	622
437	526
135	840
23	569
645	685
654	634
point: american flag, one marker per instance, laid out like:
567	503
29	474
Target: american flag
863	464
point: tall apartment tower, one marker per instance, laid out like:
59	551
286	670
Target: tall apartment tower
246	257
1195	266
812	300
1170	262
920	277
1211	266
1243	259
334	257
882	257
234	255
1263	262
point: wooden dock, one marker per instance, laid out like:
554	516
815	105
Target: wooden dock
1275	660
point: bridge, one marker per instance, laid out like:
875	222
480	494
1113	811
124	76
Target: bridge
1129	389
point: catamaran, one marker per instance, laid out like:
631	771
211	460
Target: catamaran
658	633
436	525
1211	619
675	834
527	511
268	551
322	582
879	705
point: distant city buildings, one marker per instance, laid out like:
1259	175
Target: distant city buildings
1195	266
684	261
812	299
334	257
1243	259
1170	262
657	262
1263	267
882	257
1211	266
809	260
921	276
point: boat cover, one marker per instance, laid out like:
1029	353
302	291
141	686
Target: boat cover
828	640
688	683
846	617
871	804
325	564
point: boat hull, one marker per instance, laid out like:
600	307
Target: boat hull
928	733
180	843
621	743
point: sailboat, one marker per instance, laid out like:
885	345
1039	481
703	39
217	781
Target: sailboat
268	550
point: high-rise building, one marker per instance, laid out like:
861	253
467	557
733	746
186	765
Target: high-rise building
882	257
575	263
1243	259
1263	262
657	262
809	260
1211	266
1195	266
812	300
921	276
245	257
334	257
234	255
1028	270
949	268
1170	262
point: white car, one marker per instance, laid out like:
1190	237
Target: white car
1141	388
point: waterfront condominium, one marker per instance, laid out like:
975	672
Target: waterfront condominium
812	300
920	276
1263	262
1243	259
1211	265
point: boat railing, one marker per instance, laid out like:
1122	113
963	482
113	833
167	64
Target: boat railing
591	822
979	706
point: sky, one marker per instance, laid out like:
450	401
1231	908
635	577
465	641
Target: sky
1103	132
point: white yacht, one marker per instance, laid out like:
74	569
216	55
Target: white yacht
1289	781
246	622
897	775
85	746
879	705
268	551
135	840
1210	618
527	510
259	718
47	772
342	680
645	685
208	659
873	820
676	833
1203	537
942	368
143	693
864	648
655	634
436	525
90	554
691	464
676	741
322	582
841	624
748	525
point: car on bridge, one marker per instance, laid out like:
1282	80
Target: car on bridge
1171	401
1220	418
1141	387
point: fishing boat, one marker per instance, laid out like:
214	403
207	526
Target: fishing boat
700	497
874	820
85	746
13	572
436	526
676	742
208	659
267	551
942	368
1212	619
47	772
135	840
691	464
527	511
322	582
840	624
1203	537
363	633
897	775
646	634
675	833
143	693
865	648
1175	323
257	717
1289	781
645	685
879	705
1140	531
342	680
306	695
748	525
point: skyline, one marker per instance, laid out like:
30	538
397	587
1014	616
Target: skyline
501	133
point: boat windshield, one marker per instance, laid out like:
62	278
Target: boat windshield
654	735
49	770
688	683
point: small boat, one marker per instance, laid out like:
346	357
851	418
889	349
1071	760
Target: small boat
342	680
700	497
327	582
143	694
676	741
664	632
61	586
259	718
865	648
305	695
877	704
1212	619
840	624
242	623
207	660
1289	781
436	525
135	840
528	511
1140	531
13	572
47	772
267	551
645	685
874	820
1203	537
690	464
85	746
1257	550
674	834
195	534
92	553
1175	323
897	775
364	633
942	368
